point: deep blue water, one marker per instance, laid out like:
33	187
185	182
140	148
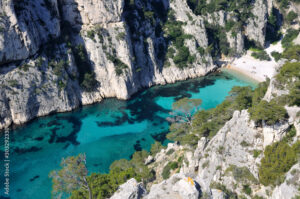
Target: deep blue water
107	131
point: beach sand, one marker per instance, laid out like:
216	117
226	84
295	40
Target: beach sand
254	68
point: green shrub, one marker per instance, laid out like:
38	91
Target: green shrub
256	153
13	83
166	170
119	65
104	185
229	25
228	194
269	112
121	36
261	55
291	17
247	189
276	55
294	95
241	174
292	52
176	36
291	34
278	159
288	73
156	148
170	152
91	34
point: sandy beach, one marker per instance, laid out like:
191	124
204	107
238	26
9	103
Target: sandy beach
254	68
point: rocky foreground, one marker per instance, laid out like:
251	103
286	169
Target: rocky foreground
56	55
209	170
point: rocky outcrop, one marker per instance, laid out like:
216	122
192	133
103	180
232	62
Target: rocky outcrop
225	163
178	186
129	190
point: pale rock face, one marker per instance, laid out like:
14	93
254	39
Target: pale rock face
289	188
274	133
274	91
256	27
225	149
237	42
177	186
26	26
129	190
93	11
5	115
148	70
31	92
217	194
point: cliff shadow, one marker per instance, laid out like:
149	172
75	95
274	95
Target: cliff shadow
145	20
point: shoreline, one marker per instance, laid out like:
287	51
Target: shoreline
13	125
254	69
242	73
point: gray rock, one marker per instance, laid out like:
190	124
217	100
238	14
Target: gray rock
129	190
177	186
26	26
256	27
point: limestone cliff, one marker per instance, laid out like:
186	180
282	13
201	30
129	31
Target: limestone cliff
51	51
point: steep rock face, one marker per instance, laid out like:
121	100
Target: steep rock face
33	90
136	43
25	26
256	27
227	148
92	11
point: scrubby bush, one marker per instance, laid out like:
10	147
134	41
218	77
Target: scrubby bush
167	169
268	112
241	174
291	34
119	65
104	185
276	55
292	52
156	148
247	189
261	55
91	34
288	73
175	35
278	159
291	17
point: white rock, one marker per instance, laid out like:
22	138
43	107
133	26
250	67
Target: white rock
129	190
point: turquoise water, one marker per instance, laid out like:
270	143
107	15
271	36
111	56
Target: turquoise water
107	131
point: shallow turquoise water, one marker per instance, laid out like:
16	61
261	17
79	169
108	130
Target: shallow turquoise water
107	131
